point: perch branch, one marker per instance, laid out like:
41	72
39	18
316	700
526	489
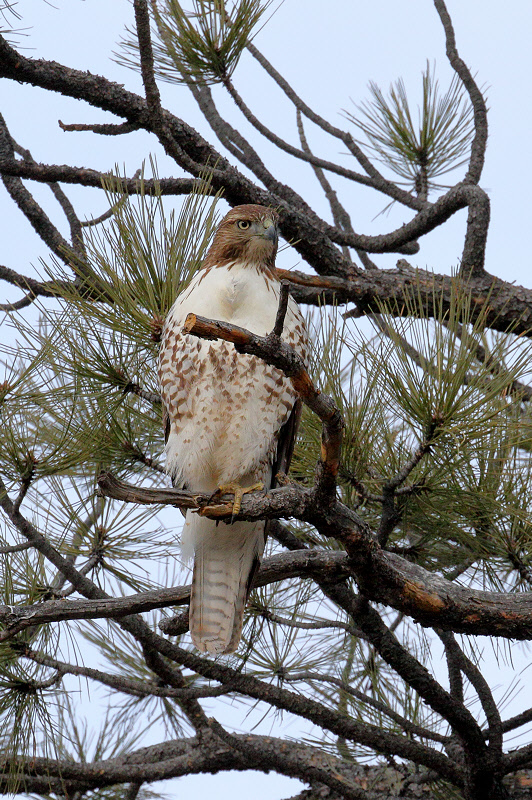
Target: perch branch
383	576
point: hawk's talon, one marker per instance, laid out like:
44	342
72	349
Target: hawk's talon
238	491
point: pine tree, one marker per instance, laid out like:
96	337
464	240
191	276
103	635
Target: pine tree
405	518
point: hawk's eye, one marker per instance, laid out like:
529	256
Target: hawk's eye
243	224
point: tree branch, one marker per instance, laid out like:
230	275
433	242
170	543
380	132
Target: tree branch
76	234
29	207
341	218
482	689
82	176
383	576
241	149
378	181
480	112
279	354
367	734
130	686
203	755
308	563
502	306
105	130
288	148
259	757
410	727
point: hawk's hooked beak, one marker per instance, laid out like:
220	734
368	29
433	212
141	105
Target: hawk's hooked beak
270	230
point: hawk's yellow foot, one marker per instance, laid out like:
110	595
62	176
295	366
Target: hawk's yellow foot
238	491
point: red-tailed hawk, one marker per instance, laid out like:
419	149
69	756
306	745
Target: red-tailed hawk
231	419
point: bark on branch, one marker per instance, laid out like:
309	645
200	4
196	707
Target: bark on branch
209	754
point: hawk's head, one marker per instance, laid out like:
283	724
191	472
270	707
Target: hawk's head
246	234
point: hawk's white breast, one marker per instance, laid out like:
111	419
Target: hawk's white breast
225	408
236	293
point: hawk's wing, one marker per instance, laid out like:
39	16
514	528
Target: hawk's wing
286	443
283	457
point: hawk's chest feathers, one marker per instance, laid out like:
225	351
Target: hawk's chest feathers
242	295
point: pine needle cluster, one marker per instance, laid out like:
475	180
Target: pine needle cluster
418	147
202	45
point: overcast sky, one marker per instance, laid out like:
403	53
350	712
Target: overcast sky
328	51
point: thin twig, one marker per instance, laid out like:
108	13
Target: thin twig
285	537
142	21
111	211
473	255
456	684
107	129
23	303
459	569
88	223
132	791
158	118
378	181
150	397
309	626
391	512
76	234
288	148
92	562
26	482
28	205
82	529
481	686
340	216
517	721
394	483
241	149
136	454
15	548
480	112
132	686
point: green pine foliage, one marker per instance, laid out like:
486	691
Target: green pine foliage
203	44
417	147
